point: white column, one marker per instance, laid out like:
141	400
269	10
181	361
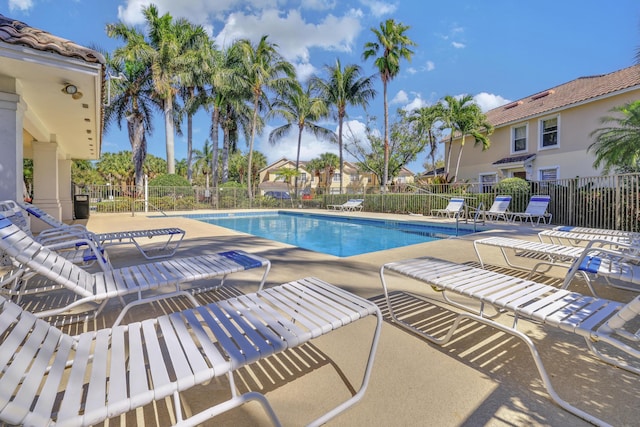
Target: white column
11	119
45	181
64	189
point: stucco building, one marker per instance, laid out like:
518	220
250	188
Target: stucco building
545	136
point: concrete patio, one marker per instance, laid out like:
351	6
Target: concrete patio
483	377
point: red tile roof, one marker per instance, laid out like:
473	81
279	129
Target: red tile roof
19	33
576	91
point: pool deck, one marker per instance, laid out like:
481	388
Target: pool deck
483	377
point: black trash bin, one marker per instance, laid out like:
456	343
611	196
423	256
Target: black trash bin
81	206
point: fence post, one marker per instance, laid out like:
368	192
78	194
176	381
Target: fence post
618	212
146	193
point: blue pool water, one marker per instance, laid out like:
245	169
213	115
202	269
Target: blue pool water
339	236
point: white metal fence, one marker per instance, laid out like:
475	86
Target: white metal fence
611	201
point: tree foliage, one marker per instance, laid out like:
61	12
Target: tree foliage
617	144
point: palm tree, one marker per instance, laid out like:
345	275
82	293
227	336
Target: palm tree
300	108
393	45
171	50
263	68
324	166
192	90
472	122
344	87
461	115
202	161
132	100
425	119
617	145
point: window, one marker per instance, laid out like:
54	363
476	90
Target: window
550	174
336	177
519	139
354	177
487	181
549	133
302	177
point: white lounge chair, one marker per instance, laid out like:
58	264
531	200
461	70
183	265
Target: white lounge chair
171	237
619	264
45	270
536	210
51	378
602	323
78	247
453	210
498	210
580	237
349	205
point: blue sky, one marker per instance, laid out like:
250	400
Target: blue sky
496	50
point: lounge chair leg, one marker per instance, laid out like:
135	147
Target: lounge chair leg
532	349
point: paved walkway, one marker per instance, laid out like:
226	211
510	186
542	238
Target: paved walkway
483	377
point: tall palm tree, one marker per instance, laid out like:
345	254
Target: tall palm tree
392	45
172	49
194	80
472	122
344	87
132	102
300	108
202	161
263	68
617	145
425	119
454	111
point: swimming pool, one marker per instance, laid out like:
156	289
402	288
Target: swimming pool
334	235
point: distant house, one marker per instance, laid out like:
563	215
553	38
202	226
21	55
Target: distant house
545	136
309	181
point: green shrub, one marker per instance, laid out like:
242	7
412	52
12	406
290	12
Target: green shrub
519	190
169	180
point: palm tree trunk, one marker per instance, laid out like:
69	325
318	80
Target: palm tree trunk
138	150
250	158
340	120
459	157
189	147
449	153
214	141
298	160
168	128
385	175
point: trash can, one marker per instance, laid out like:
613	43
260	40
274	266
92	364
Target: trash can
81	206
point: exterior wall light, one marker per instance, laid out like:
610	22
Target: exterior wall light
72	90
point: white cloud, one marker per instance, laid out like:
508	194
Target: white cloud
488	101
318	4
304	70
379	8
458	45
400	98
431	66
293	35
22	5
416	103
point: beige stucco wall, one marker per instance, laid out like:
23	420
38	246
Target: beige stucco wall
571	157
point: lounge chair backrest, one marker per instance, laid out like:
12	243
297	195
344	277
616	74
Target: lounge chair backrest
41	215
455	204
500	204
46	262
10	210
538	205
